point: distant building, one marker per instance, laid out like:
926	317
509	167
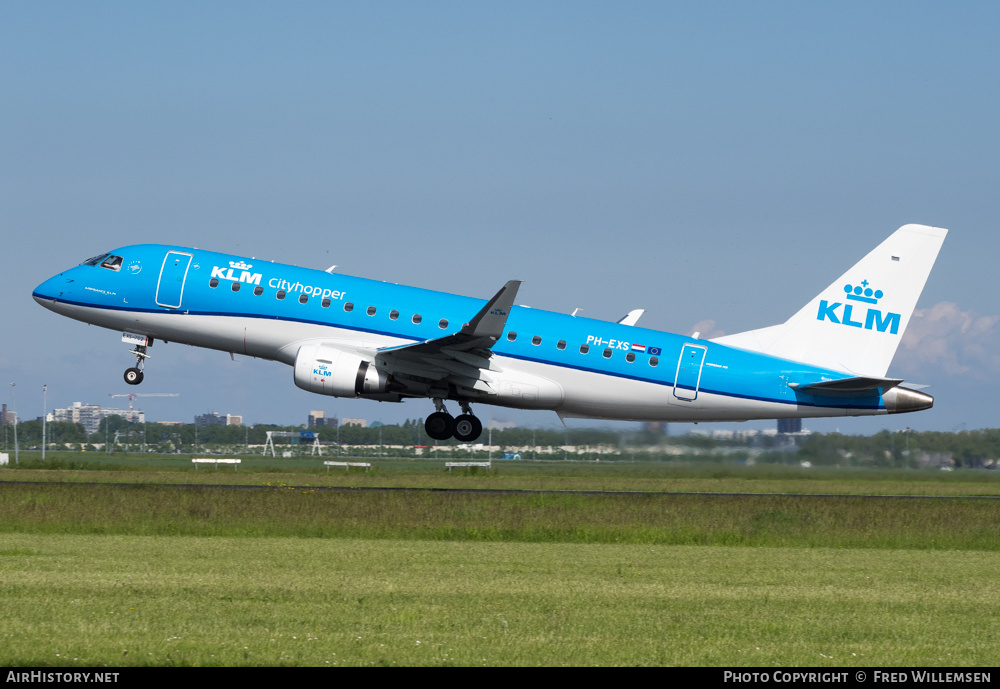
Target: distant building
213	419
319	418
7	418
210	419
789	426
656	428
91	415
355	422
500	425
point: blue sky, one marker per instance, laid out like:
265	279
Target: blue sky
716	163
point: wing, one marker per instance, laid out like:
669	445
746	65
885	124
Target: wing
461	359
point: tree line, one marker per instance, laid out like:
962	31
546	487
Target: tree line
977	448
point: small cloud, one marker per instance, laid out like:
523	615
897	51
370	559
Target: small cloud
955	341
706	330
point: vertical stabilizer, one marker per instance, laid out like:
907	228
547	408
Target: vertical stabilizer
856	324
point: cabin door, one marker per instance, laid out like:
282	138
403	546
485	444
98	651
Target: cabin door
689	372
170	288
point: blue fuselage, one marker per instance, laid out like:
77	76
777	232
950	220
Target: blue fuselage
267	310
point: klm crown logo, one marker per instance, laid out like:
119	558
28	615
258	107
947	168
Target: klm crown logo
239	265
863	293
874	319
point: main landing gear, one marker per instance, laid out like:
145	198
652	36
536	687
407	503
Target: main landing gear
134	375
441	425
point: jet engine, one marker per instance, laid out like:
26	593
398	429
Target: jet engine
327	370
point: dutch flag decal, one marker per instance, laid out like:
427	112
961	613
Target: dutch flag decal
639	348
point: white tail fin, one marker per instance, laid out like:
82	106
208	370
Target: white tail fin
856	323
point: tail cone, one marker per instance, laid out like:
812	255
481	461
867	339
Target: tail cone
899	400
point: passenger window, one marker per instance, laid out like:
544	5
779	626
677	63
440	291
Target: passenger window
512	336
112	263
258	290
348	307
371	311
584	349
213	283
607	353
630	357
280	295
325	303
236	287
303	298
536	340
561	344
653	361
393	315
417	318
443	323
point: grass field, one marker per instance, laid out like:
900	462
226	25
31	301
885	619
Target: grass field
156	574
761	521
174	600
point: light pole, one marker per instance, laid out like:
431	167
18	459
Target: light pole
13	403
44	414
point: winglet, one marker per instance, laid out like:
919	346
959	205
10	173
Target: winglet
632	317
492	318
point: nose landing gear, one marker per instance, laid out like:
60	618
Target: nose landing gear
134	375
441	425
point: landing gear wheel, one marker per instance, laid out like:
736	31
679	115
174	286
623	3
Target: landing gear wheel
440	425
133	376
468	428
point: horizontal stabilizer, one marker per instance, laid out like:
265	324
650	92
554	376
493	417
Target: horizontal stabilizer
859	386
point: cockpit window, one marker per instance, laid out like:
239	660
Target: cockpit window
112	263
95	260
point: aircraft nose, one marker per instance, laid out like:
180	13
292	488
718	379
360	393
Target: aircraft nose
52	289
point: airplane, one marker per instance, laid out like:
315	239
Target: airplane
353	337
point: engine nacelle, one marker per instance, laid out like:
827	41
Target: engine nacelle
330	371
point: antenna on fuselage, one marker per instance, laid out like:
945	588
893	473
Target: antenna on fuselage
330	269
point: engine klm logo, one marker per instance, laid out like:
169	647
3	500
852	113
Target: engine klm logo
874	319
